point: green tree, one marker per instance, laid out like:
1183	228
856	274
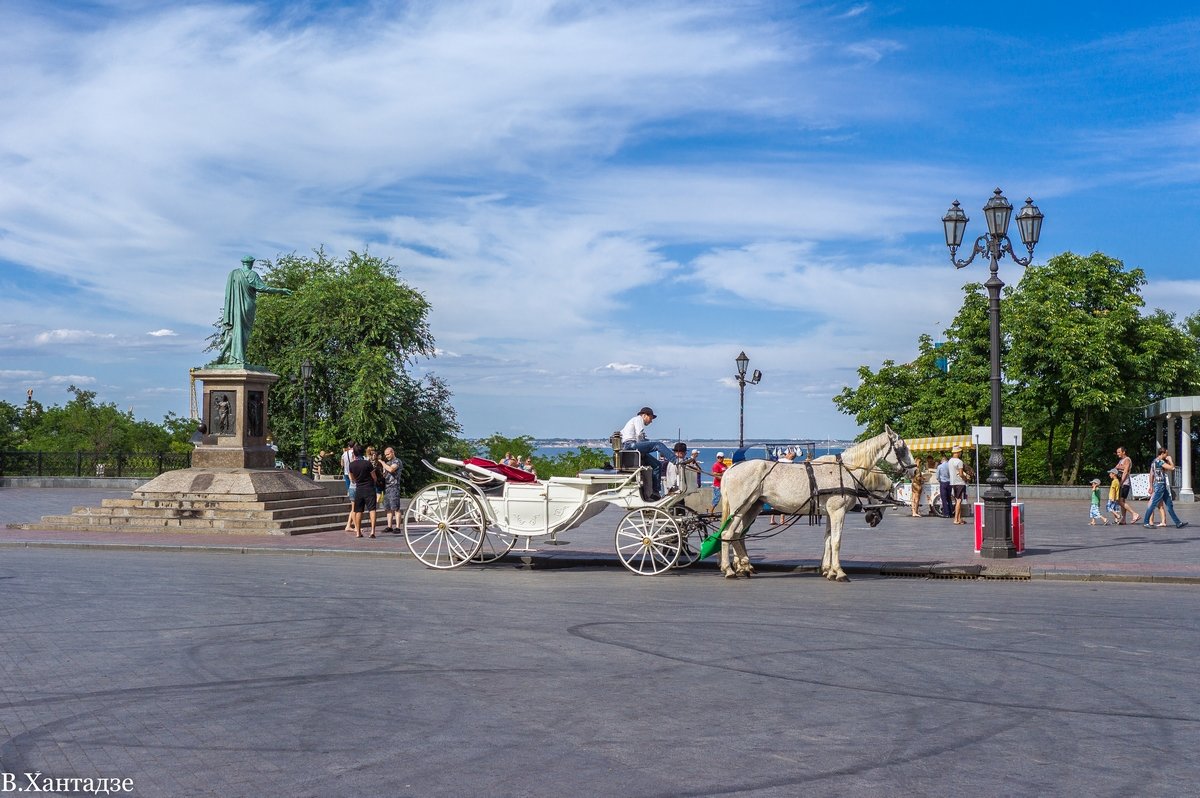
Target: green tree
10	427
1081	362
361	327
1074	329
495	446
83	425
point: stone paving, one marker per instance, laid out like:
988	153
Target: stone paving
1060	544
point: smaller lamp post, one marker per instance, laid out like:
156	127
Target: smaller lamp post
306	369
742	362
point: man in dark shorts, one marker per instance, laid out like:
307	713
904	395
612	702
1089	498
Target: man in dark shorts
362	474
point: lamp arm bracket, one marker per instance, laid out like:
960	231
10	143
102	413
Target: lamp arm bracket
980	246
1006	246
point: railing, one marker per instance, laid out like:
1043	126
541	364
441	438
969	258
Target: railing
90	464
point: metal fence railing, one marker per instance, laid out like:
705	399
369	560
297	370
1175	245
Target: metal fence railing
91	464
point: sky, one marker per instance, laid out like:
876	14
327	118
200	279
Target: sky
604	202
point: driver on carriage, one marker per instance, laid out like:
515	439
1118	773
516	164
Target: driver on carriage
633	436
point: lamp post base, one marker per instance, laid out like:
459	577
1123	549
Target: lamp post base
997	525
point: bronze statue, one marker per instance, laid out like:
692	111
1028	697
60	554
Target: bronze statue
237	319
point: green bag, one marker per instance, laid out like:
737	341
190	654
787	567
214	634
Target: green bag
713	541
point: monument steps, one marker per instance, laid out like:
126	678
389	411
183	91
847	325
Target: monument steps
233	501
313	522
133	508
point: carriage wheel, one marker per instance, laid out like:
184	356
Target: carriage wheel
693	529
444	526
496	543
648	541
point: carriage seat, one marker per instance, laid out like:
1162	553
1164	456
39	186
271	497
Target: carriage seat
508	472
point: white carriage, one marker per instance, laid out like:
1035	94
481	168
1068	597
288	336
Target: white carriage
476	514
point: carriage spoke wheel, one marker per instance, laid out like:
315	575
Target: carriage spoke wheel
693	529
444	526
648	541
496	543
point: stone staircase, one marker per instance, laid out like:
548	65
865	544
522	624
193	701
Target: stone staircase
230	501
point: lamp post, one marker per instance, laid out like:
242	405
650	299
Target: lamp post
997	501
742	362
306	369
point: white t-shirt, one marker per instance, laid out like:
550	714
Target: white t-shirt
634	430
956	466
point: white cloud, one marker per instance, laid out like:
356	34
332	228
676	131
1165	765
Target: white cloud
70	337
71	379
161	333
626	368
17	375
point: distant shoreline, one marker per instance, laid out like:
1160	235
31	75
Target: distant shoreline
707	443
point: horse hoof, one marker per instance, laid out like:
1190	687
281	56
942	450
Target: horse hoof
842	578
731	574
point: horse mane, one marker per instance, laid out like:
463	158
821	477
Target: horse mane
865	454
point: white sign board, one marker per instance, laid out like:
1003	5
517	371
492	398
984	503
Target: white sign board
1009	436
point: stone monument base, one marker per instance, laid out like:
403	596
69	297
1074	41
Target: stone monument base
235	501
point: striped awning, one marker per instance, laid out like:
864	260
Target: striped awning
939	443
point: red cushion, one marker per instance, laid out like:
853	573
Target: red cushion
513	474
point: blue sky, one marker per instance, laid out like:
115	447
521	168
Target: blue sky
604	201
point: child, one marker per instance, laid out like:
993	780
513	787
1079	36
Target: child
1114	495
1095	509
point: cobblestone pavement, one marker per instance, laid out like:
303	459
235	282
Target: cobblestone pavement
1060	544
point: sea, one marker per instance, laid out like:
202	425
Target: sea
709	450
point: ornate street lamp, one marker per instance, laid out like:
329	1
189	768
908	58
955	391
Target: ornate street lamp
742	362
997	501
306	369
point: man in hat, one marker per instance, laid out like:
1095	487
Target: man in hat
633	436
958	485
680	468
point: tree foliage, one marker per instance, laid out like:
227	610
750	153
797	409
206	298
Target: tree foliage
85	425
361	327
1081	361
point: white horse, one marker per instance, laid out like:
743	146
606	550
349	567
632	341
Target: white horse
833	483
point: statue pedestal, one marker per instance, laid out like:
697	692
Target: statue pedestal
232	487
235	413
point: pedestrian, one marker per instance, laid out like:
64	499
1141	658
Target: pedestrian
943	477
718	469
1124	469
931	480
1095	508
347	459
392	467
362	471
918	487
958	483
696	459
1159	471
1114	495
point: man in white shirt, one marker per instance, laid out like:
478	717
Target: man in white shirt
633	436
958	485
